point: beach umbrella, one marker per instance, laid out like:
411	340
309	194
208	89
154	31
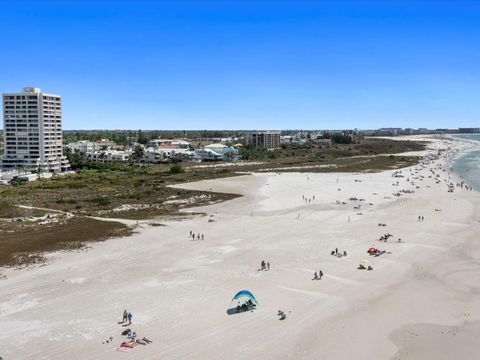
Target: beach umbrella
372	249
245	293
364	261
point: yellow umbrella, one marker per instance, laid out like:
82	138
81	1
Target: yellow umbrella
363	261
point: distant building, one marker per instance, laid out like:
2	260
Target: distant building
264	139
105	144
228	153
171	143
469	130
83	146
208	155
32	123
109	156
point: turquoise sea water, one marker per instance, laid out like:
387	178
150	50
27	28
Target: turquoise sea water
467	164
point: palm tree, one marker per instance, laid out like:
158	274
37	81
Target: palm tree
138	153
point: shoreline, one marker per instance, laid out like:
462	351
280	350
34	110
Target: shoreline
179	290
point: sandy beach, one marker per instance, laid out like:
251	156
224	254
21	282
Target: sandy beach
420	301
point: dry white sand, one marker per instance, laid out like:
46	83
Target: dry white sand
420	302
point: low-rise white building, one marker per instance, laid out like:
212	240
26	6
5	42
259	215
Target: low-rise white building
158	143
83	146
110	156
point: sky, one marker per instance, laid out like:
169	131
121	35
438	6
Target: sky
248	64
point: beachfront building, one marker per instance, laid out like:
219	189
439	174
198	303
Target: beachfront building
264	139
32	123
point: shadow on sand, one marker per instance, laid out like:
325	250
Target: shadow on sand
234	311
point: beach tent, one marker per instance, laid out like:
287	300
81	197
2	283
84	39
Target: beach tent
245	293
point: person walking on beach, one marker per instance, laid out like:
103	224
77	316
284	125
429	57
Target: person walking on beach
125	316
129	318
315	276
320	275
203	237
268	265
198	236
190	232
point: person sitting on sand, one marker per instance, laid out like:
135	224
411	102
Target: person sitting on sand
344	253
369	268
128	344
315	276
147	340
320	275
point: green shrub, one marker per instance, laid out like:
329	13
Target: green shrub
176	169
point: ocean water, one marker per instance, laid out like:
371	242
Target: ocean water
467	164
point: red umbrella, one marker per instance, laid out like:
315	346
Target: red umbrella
372	250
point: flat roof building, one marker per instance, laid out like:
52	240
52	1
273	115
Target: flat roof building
32	126
264	139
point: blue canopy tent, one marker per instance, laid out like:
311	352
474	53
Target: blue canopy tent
245	293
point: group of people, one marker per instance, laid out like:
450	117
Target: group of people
132	340
265	265
363	267
127	316
131	336
199	236
385	237
308	200
248	305
318	276
464	186
338	253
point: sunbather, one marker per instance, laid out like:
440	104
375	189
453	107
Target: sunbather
129	344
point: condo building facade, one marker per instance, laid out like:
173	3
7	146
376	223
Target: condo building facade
264	139
32	127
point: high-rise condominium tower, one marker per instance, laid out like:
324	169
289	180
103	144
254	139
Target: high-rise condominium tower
32	127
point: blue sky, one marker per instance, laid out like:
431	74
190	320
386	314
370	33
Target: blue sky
248	64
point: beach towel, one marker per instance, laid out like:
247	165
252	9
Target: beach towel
124	349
